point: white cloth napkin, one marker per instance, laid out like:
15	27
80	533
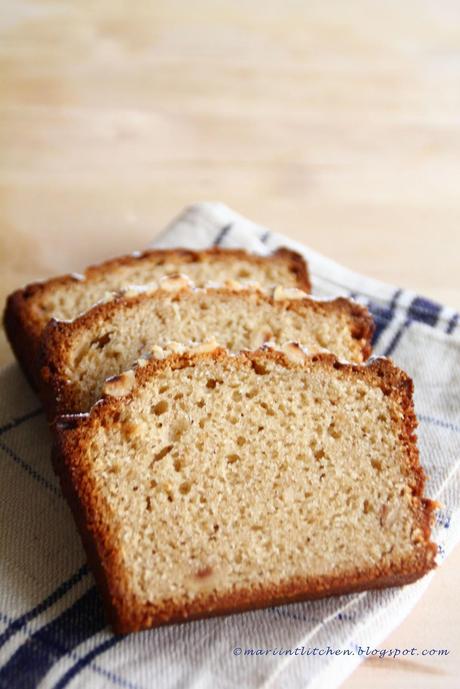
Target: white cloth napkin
52	630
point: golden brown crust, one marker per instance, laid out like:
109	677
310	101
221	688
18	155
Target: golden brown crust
60	397
22	333
248	599
127	614
297	265
24	325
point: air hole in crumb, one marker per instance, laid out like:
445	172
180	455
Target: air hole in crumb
162	453
321	340
238	558
237	396
268	409
164	388
178	428
231	459
148	503
252	393
203	500
201	423
211	384
319	454
161	407
101	341
185	488
366	507
203	573
200	404
179	396
153	484
243	273
259	368
337	365
135	489
240	440
333	431
129	429
377	464
179	464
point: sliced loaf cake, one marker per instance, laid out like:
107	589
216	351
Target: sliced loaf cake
28	310
77	356
207	483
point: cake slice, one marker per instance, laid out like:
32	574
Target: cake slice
28	310
77	356
206	483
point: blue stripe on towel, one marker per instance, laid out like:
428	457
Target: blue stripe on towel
20	622
441	423
395	341
420	309
30	470
452	324
33	660
424	310
87	659
14	423
383	315
222	234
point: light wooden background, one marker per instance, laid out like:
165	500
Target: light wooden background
335	122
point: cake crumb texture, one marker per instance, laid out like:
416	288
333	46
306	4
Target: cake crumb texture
223	482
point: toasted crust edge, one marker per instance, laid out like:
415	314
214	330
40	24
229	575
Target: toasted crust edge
24	330
23	335
59	397
125	613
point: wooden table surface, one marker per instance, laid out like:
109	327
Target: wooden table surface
335	122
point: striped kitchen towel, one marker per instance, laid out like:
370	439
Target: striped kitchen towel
52	630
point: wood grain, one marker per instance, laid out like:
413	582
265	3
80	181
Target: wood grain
336	123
